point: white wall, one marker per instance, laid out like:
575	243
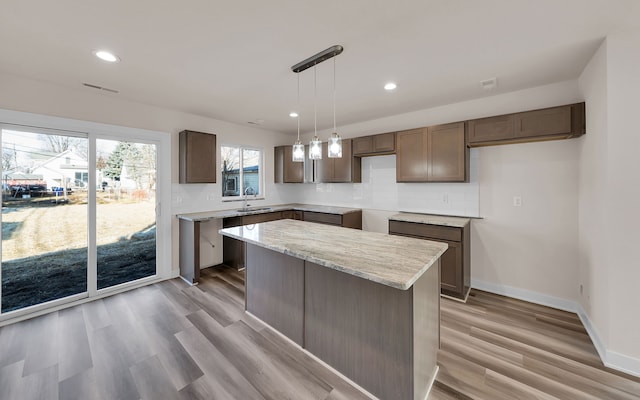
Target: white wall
609	199
623	87
532	247
21	94
592	225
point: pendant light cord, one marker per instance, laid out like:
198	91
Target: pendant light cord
315	103
298	107
334	95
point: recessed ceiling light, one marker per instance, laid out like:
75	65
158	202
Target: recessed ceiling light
106	56
293	114
390	86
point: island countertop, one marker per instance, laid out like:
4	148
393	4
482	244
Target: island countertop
394	261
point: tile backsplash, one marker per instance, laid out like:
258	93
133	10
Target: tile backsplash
379	191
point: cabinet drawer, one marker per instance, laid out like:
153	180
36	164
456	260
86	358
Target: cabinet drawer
331	219
426	231
257	218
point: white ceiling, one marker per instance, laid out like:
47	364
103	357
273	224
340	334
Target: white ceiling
231	60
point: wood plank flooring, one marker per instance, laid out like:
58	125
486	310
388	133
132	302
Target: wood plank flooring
172	341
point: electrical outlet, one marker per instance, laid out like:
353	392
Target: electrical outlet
445	198
178	199
517	201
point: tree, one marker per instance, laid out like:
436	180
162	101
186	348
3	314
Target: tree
58	144
8	159
113	167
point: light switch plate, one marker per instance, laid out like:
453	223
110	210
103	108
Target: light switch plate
517	201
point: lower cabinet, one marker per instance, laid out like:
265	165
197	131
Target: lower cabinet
233	250
455	274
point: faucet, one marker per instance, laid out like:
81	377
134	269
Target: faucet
246	192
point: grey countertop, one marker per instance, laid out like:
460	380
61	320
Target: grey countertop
394	261
442	220
208	215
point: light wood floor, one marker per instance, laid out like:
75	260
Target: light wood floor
172	341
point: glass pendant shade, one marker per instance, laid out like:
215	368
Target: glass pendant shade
298	152
315	149
335	146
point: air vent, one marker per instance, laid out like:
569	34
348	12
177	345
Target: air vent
100	88
489	84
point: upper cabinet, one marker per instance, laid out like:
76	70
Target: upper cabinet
345	169
197	157
286	170
384	143
433	154
447	153
546	124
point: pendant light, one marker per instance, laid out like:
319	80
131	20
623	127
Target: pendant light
335	142
298	147
315	145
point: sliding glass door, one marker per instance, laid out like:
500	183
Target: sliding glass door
125	211
78	216
44	218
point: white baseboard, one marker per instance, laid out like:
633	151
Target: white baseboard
611	359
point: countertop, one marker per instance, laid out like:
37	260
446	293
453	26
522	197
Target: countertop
442	220
394	261
208	215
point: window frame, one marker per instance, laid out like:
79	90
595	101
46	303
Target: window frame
240	179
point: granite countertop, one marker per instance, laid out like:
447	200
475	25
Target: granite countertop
394	261
443	220
208	215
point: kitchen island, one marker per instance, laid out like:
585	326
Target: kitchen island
365	303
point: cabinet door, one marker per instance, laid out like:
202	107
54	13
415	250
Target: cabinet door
549	121
451	270
293	171
197	153
491	129
447	153
363	145
411	156
384	143
285	169
343	167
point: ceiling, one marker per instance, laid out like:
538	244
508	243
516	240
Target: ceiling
230	60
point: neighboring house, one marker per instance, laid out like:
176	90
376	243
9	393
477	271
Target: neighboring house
231	181
67	169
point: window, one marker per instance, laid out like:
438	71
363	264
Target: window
241	171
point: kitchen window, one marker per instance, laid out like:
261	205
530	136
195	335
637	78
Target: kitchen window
241	172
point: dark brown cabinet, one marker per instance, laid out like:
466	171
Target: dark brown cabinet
197	153
552	123
292	214
447	153
455	274
348	220
384	143
432	154
346	169
286	170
